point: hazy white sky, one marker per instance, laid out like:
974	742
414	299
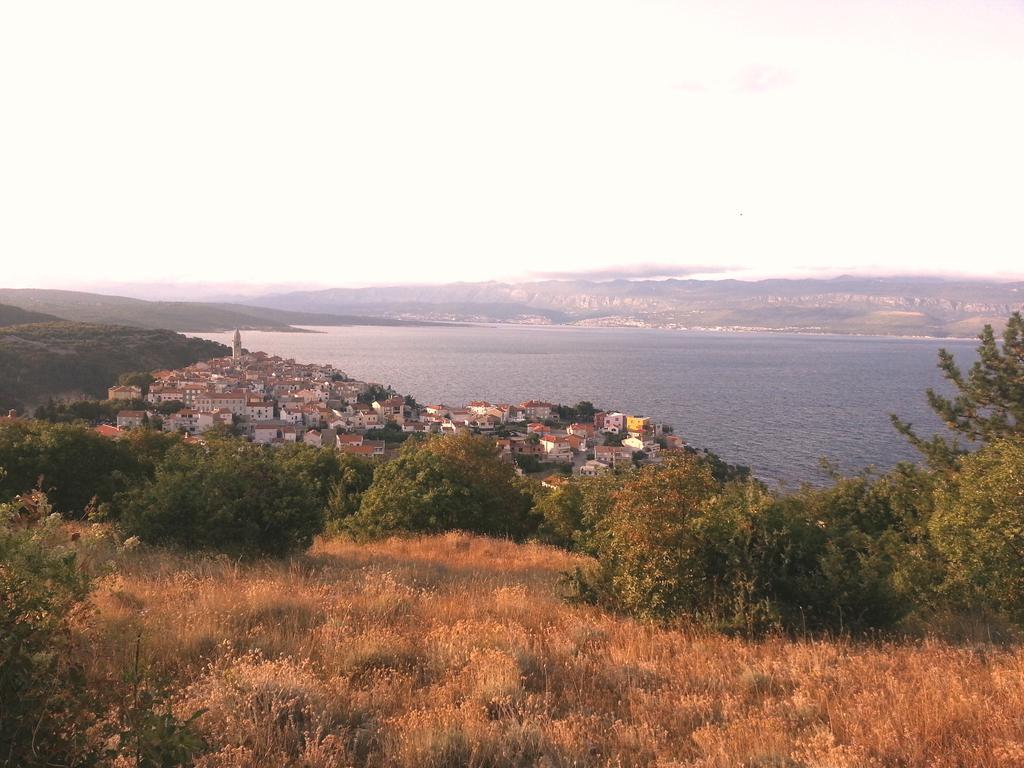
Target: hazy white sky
334	143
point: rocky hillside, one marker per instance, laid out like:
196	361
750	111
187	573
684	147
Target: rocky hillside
927	307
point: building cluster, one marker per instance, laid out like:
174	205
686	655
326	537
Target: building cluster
272	400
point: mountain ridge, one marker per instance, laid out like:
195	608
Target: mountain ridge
847	304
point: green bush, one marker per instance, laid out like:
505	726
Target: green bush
228	496
978	526
72	463
41	709
444	484
673	541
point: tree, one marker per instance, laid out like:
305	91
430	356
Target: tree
647	548
978	526
228	496
139	379
70	462
376	392
454	482
585	410
989	403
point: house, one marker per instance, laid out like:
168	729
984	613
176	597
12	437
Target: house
613	454
378	447
312	395
259	410
576	442
536	428
593	468
12	415
582	430
291	414
124	392
513	412
556	448
209	419
191	391
181	421
165	395
371	449
268	431
614	423
130	419
418	426
343	440
638	444
554	481
234	402
392	409
638	425
291	434
673	441
108	430
518	446
314	438
537	409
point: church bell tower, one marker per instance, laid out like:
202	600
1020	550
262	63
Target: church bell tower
236	346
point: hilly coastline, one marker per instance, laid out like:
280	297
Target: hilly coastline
187	316
845	305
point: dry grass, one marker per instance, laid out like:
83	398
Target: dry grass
455	651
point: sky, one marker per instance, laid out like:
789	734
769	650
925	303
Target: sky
339	143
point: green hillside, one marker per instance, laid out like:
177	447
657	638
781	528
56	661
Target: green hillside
18	316
62	359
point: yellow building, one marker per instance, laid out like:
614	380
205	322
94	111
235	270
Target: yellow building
638	424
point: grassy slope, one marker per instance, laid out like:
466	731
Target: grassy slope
452	651
41	360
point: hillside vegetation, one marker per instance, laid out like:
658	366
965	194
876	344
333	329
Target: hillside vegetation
58	359
172	603
461	651
18	316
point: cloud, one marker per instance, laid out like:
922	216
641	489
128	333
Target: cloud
761	79
632	272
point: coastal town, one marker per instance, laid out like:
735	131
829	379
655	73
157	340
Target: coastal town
273	401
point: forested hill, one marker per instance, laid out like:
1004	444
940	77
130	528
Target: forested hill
62	359
18	316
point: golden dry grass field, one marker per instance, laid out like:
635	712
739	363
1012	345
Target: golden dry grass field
460	651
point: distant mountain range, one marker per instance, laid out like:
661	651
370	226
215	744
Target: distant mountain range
851	305
172	315
848	305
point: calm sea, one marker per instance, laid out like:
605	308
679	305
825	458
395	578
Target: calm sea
775	402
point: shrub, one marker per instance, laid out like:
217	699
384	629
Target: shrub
673	541
444	484
227	495
74	463
978	526
40	684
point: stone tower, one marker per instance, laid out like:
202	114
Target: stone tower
236	346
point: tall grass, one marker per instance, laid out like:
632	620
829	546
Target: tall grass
454	650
